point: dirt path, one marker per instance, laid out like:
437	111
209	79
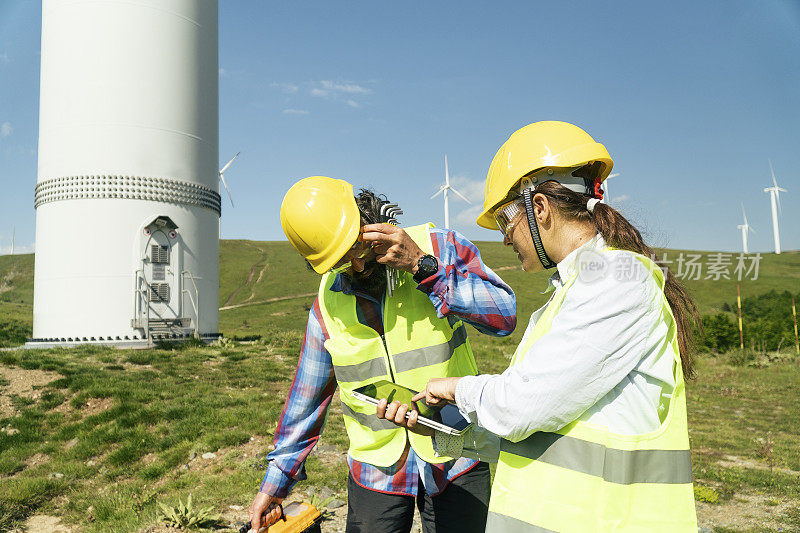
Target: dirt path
516	267
262	262
44	523
253	286
276	299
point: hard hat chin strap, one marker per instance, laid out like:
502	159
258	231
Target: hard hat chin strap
527	195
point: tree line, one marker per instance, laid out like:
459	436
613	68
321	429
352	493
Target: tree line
767	324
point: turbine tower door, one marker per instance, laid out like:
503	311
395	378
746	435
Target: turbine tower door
160	276
160	288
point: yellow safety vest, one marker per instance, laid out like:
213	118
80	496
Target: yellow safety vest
416	346
584	478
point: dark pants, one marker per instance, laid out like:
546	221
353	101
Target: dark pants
460	508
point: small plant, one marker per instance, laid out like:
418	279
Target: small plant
321	504
318	502
187	516
141	500
224	342
259	462
765	451
705	494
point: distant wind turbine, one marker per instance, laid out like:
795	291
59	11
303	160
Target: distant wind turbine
745	228
607	195
775	200
444	189
222	176
222	179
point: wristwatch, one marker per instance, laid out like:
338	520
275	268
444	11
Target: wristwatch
427	266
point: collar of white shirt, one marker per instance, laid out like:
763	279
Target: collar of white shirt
567	266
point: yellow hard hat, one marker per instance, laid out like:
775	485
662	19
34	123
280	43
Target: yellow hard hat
547	144
320	218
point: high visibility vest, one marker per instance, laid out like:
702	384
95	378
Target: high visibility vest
416	346
584	478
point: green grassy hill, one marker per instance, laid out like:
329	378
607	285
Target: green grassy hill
265	286
99	436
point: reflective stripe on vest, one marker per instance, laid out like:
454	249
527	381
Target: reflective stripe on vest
509	524
616	466
368	420
416	346
586	478
410	360
430	355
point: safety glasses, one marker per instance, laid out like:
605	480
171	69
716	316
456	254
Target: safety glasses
508	215
359	250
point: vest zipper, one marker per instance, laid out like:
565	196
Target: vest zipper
386	349
383	339
389	358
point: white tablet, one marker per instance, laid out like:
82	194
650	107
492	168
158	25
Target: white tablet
448	420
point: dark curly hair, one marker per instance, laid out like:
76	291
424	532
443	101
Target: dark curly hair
369	205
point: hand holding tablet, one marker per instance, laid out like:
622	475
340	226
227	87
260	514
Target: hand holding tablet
408	409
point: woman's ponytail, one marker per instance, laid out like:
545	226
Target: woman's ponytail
619	233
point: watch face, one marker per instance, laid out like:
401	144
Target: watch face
427	267
428	262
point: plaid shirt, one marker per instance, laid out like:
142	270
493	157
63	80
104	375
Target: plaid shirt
462	287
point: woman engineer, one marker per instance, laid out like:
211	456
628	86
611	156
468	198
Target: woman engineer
588	423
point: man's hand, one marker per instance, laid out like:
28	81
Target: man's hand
262	502
396	412
393	247
438	391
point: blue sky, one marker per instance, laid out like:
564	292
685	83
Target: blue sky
690	98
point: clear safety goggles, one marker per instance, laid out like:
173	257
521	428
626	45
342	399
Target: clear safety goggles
359	250
506	214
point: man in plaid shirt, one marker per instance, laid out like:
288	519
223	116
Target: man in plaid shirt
451	496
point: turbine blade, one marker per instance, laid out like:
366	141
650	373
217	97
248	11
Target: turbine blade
446	171
772	171
778	200
229	164
440	191
222	179
461	195
614	175
745	215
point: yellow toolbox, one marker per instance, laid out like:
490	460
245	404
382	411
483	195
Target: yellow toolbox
296	517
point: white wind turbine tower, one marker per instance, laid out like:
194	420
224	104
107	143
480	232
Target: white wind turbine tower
444	189
607	195
745	228
222	179
774	196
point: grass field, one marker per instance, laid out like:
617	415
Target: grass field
98	437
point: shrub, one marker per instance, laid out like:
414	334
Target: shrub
768	319
739	357
705	494
719	332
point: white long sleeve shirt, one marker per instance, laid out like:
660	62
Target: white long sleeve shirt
605	359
